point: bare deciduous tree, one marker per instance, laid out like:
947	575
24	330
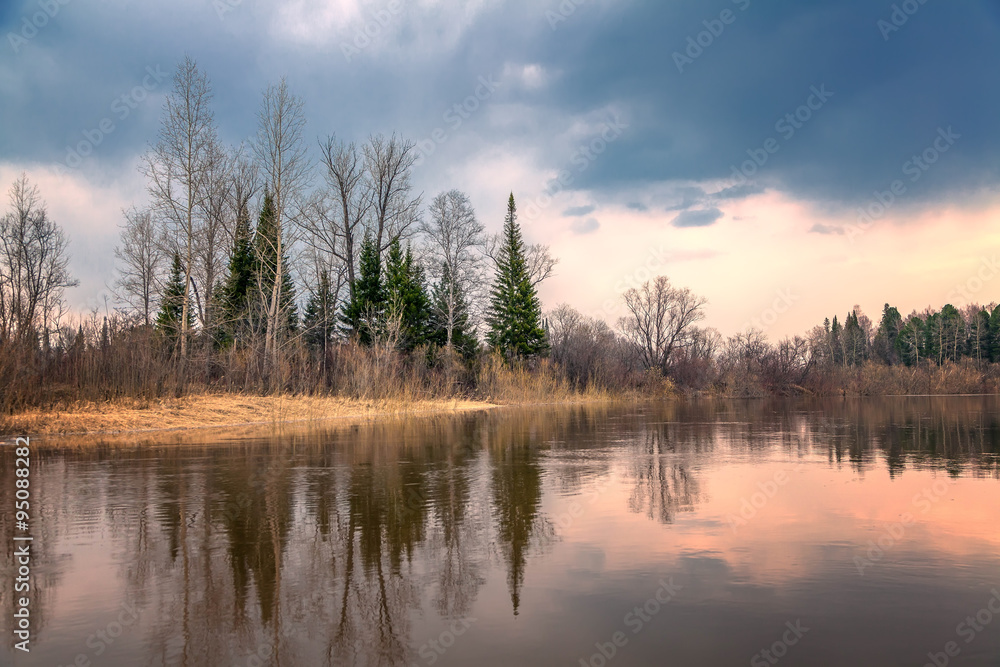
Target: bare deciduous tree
660	320
211	247
282	157
34	265
333	220
245	185
139	256
456	242
388	161
179	167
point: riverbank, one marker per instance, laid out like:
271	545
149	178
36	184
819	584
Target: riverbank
217	411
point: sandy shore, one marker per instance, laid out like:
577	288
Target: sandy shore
217	410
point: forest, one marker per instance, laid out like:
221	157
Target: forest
257	269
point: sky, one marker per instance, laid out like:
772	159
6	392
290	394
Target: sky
784	160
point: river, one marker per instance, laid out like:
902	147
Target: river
798	532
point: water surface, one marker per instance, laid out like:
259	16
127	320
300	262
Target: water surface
857	532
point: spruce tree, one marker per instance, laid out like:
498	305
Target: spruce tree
463	338
887	336
995	335
235	294
515	313
266	265
168	321
320	320
406	297
363	313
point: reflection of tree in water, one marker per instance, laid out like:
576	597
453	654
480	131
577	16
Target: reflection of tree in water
385	523
255	508
459	535
664	483
517	496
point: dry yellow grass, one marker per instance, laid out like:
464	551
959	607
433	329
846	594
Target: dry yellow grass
216	410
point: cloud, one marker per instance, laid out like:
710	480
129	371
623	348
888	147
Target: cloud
612	58
697	218
585	226
637	206
738	191
688	195
820	228
579	211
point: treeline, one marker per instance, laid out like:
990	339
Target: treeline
254	268
946	351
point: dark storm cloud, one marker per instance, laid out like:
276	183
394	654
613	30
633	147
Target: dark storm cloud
697	218
728	106
889	96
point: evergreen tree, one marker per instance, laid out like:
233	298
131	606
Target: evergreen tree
887	336
911	341
995	335
235	294
952	332
515	313
463	338
266	266
364	312
978	347
320	319
406	297
836	344
854	340
168	321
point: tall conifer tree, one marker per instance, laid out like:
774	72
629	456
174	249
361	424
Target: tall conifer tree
515	313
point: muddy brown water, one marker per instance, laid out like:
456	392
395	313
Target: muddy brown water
835	532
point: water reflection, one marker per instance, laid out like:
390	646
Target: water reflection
364	546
